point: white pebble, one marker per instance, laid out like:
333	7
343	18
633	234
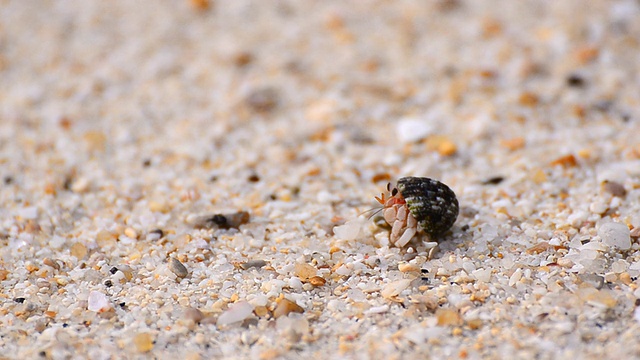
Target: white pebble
343	270
349	231
81	185
615	234
410	130
377	309
295	284
598	207
28	213
515	277
98	302
57	242
482	274
294	322
636	314
325	197
236	313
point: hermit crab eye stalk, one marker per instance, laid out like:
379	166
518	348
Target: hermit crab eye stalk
419	205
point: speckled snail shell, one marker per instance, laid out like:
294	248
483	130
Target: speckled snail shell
433	204
418	204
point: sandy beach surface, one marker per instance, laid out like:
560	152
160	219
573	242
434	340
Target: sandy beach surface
187	179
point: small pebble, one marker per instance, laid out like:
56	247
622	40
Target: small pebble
564	262
285	307
178	268
349	231
193	314
80	186
625	278
408	267
222	221
78	250
49	262
106	239
28	213
253	264
493	180
155	235
261	311
377	309
143	342
98	302
262	99
411	130
614	188
127	271
595	280
304	271
575	80
448	317
293	324
616	235
237	312
130	232
317	281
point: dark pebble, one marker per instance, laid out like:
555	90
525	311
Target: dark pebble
575	80
222	221
19	300
614	188
262	99
603	105
253	264
243	59
113	270
493	180
595	280
157	231
178	268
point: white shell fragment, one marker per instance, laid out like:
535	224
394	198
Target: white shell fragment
410	130
395	288
616	235
236	313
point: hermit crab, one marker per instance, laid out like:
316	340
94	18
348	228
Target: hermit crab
418	205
